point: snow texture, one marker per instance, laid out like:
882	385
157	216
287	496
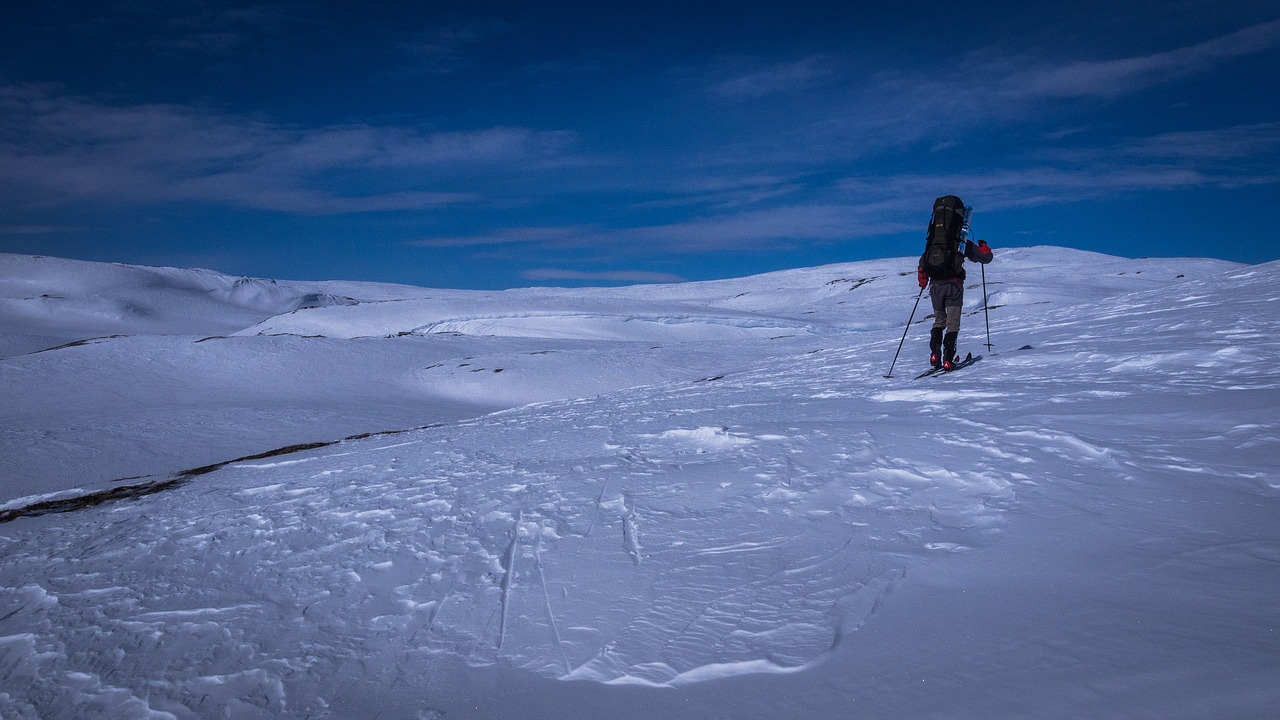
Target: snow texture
251	498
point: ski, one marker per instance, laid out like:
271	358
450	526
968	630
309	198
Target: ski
968	360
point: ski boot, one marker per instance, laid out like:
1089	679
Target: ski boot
935	348
949	356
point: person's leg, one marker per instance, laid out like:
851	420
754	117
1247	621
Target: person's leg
953	303
938	296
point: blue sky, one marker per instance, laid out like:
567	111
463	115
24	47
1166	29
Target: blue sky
500	144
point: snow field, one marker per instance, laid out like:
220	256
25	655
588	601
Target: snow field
762	528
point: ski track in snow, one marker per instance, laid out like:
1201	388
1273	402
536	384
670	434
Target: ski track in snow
662	535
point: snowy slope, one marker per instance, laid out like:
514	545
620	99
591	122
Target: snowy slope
716	507
154	386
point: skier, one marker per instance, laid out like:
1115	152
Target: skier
941	268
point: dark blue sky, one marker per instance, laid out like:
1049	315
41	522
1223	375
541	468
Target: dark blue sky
496	144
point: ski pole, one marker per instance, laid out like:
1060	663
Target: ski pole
904	332
985	310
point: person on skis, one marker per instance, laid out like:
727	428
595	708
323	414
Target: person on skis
941	269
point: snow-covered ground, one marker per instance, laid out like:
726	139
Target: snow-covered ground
700	500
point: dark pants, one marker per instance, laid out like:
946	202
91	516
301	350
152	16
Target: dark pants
948	302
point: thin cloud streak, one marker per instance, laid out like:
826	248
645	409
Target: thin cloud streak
224	31
761	229
777	79
624	276
1110	78
858	116
872	207
725	191
1031	187
765	228
37	229
558	237
1241	142
879	205
58	149
449	49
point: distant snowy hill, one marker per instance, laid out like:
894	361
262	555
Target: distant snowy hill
699	500
46	299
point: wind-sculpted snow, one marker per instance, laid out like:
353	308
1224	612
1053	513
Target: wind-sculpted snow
1080	525
629	539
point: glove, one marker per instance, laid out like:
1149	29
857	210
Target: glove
922	278
982	245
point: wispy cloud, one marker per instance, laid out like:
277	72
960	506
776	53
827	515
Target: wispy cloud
1109	78
741	155
612	276
37	229
880	205
722	192
448	49
754	230
473	148
222	31
845	113
567	236
739	83
56	148
1038	186
765	228
1240	142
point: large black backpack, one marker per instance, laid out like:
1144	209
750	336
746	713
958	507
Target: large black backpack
943	256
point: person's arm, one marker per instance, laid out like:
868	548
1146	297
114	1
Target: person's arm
980	253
